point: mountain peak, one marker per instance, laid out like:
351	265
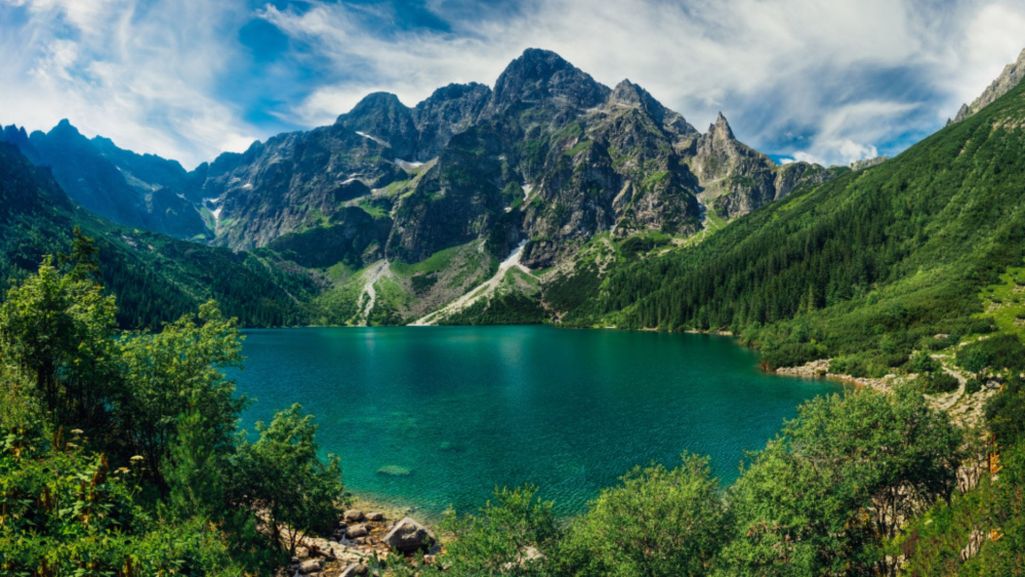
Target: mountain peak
543	55
381	117
14	134
538	75
721	128
453	91
627	92
64	129
1010	77
373	102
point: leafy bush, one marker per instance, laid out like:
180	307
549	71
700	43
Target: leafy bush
922	363
1003	351
281	474
940	382
974	385
66	512
660	522
507	537
791	354
823	497
1004	412
117	449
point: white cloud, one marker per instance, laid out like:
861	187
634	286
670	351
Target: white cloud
700	57
994	37
117	68
831	81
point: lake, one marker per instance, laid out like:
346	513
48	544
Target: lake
437	416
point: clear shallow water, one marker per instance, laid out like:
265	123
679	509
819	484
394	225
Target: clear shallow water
464	409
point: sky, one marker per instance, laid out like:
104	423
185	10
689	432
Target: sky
828	81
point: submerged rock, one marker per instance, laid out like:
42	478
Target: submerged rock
394	471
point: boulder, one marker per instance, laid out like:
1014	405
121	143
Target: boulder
310	566
356	531
353	570
375	516
408	536
353	516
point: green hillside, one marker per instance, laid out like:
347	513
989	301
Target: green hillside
155	277
864	268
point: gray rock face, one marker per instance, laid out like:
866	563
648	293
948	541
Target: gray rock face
449	111
294	181
736	179
544	77
408	536
1010	77
550	157
381	117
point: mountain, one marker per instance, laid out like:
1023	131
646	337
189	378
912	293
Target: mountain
1010	77
143	191
921	251
418	206
155	277
408	210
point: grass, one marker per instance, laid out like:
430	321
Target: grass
372	209
434	263
1004	301
338	272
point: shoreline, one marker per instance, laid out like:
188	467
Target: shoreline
819	369
392	509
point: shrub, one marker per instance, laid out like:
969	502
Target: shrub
660	523
1004	351
922	363
507	537
940	382
281	474
792	354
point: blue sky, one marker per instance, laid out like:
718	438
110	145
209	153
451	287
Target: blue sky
828	81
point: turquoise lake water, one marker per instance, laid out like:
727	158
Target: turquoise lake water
464	409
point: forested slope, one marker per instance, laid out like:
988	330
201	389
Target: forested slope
862	267
155	277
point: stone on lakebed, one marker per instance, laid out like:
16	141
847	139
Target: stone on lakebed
394	471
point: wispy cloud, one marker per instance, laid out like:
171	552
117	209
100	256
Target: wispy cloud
828	81
143	73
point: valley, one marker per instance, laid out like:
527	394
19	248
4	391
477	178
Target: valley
791	369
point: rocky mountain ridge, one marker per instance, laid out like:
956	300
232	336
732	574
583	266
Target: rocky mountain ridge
144	191
548	160
1010	77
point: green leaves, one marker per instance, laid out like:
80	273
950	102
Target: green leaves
659	523
835	486
281	474
57	329
177	373
509	536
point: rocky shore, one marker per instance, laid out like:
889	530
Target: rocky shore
820	370
965	407
361	540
